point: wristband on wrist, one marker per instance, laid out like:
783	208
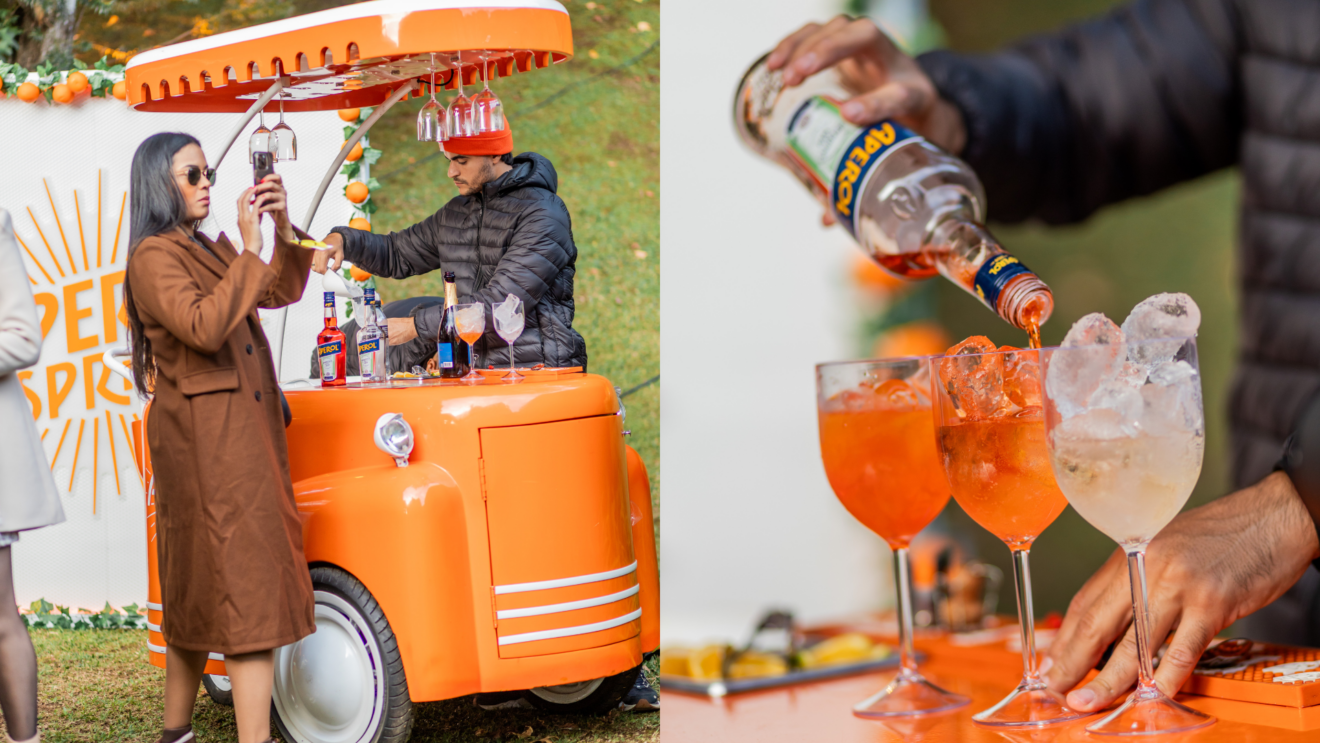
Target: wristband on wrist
1301	462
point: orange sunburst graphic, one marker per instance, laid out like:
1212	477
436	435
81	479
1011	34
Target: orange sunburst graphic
81	284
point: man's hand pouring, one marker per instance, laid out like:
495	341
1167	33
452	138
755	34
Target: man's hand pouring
332	258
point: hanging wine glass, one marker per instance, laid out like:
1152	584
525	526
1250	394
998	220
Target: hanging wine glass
286	142
431	119
260	139
487	110
460	109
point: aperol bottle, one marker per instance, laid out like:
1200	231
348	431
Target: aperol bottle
330	349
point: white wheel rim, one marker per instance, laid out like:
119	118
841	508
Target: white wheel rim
221	682
568	693
330	685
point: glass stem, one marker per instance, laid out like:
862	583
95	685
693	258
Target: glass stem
472	360
1141	618
906	656
1026	617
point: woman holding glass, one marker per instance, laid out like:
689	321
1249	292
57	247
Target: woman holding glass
229	542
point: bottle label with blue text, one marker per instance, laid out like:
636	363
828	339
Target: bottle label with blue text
328	353
367	351
994	275
444	355
841	154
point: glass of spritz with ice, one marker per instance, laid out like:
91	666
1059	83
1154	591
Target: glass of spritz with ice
1126	435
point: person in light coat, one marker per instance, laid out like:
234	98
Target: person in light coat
28	498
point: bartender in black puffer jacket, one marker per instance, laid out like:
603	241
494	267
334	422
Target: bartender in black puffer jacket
507	232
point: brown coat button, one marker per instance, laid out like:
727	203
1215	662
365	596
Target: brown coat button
249	349
258	394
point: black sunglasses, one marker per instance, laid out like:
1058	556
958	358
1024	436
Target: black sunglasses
195	175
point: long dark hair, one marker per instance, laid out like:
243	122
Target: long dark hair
155	205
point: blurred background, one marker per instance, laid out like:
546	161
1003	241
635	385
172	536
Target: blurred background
751	521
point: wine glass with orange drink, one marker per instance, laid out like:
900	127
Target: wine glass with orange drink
877	442
471	321
990	427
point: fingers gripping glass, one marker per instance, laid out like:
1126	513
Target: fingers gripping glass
194	175
877	442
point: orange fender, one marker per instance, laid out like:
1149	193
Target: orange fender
643	530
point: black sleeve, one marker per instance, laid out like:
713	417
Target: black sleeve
397	255
1301	460
1124	105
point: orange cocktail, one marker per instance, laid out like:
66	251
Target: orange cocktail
990	427
877	440
883	466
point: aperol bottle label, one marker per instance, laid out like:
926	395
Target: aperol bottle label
328	353
994	275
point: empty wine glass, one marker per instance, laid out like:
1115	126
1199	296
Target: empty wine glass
286	142
509	324
471	321
260	139
487	110
431	119
459	116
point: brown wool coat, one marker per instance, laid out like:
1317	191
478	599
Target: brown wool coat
229	541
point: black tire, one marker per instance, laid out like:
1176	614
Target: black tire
218	689
350	605
599	701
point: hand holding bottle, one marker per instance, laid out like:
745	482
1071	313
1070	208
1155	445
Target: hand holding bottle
886	83
333	257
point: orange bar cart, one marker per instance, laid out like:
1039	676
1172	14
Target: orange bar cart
497	537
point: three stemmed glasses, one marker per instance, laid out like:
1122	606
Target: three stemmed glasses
509	319
471	321
990	428
431	120
1125	430
877	442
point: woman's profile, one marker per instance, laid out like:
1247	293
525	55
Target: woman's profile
229	542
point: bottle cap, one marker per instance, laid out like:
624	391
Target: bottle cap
449	275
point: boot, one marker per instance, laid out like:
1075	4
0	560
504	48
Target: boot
177	735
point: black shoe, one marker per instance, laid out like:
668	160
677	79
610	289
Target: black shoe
500	700
641	697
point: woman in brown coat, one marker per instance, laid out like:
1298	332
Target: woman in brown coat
229	542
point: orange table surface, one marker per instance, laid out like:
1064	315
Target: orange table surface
822	711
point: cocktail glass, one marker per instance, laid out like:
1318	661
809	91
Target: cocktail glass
878	446
459	119
471	321
431	119
261	138
1126	446
509	320
487	109
991	436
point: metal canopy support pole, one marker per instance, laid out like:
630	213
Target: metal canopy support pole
330	174
252	112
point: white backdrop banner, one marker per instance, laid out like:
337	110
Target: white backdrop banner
66	190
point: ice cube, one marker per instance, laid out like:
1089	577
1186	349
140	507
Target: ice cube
1103	424
1022	377
1160	316
1092	354
1173	399
1120	397
973	375
505	311
896	394
1133	375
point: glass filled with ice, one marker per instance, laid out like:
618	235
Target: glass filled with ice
1126	435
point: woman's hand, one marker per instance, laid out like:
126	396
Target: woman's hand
277	206
249	218
1208	568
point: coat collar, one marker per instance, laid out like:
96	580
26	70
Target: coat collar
218	263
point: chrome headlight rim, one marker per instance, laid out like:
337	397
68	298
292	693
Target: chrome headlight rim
394	436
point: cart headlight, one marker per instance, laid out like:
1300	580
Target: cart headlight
394	437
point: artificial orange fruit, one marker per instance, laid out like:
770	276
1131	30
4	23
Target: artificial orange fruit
355	154
28	92
360	223
120	90
350	114
920	338
61	94
357	192
77	82
358	274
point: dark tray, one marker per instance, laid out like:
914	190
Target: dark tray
739	686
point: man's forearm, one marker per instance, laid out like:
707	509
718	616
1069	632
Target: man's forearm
1301	462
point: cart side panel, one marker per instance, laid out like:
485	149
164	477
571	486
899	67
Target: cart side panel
558	517
402	533
643	534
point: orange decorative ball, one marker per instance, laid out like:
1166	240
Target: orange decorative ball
120	90
358	274
61	94
920	338
28	92
77	82
357	192
360	223
355	154
350	114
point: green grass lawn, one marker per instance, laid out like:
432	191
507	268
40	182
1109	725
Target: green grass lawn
596	117
96	685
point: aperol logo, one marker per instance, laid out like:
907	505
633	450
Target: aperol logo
994	275
867	150
76	267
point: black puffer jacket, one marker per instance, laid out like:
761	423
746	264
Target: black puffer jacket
515	237
1162	91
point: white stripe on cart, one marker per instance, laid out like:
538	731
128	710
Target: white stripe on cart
584	629
536	611
563	582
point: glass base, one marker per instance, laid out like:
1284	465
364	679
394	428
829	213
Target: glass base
909	694
513	376
471	377
1148	712
1028	705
